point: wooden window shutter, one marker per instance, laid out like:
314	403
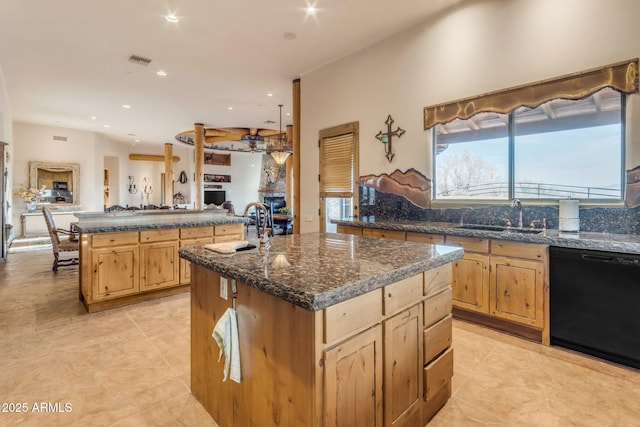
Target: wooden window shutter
337	165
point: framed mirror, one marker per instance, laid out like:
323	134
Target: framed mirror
61	182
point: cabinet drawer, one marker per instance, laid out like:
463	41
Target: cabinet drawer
437	375
196	232
343	318
518	250
114	239
384	234
402	294
221	230
227	238
437	306
434	239
437	338
349	229
437	279
148	236
470	244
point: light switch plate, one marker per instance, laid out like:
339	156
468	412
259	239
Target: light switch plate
224	288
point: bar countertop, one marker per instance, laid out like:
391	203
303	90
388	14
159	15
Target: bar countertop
113	222
325	268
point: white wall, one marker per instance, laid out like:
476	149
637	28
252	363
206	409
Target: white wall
476	47
6	135
245	171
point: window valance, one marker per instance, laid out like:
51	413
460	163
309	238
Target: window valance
622	76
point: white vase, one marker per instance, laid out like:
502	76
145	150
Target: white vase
31	206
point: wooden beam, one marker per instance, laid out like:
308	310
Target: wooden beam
168	175
152	157
198	158
296	157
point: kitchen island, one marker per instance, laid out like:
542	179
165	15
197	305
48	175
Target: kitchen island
333	330
126	257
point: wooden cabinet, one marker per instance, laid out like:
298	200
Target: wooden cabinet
500	283
470	281
353	381
403	364
126	267
517	290
385	234
114	272
347	229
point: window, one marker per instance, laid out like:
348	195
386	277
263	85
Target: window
562	148
338	174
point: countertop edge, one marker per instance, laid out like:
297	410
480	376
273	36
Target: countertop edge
581	240
319	301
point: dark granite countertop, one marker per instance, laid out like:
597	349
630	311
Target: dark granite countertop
627	243
325	268
124	221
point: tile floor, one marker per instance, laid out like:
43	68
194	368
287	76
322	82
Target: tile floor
130	366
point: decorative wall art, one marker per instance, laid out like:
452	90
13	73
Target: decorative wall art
208	177
217	159
387	137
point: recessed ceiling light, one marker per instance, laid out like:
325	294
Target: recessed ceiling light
229	108
161	73
269	94
288	114
126	106
106	126
136	140
171	18
93	117
310	10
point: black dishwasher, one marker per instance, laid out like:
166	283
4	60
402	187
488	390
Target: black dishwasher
595	303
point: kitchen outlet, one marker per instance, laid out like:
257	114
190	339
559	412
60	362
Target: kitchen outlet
224	289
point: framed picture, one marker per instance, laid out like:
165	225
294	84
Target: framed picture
217	159
209	177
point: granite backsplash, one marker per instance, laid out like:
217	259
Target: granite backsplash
385	206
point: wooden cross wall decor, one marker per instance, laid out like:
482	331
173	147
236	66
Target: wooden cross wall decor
385	137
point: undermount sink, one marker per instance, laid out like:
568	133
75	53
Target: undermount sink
499	229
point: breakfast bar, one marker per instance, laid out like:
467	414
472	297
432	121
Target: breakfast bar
332	329
127	257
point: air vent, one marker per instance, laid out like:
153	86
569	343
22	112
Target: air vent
140	60
269	121
59	138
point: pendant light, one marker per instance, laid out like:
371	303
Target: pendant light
281	153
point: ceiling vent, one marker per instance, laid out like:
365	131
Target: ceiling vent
140	60
59	138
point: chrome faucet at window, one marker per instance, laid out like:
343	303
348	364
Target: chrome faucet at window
515	203
463	214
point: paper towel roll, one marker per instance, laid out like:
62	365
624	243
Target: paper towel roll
569	215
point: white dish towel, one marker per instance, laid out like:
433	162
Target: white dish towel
226	335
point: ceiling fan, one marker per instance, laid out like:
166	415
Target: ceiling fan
249	139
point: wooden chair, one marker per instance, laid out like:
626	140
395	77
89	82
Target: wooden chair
70	244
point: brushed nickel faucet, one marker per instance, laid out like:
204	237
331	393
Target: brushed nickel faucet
264	240
515	203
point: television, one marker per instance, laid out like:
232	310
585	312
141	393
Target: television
216	197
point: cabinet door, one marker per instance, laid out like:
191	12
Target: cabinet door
434	239
403	365
114	272
470	282
384	234
349	229
158	265
517	290
185	266
353	381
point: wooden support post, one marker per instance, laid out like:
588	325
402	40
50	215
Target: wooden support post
198	158
168	175
296	156
289	171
